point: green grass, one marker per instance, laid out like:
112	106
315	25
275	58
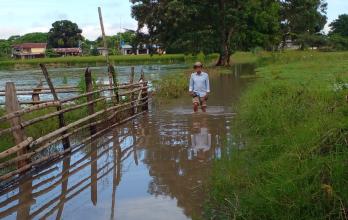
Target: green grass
172	86
295	164
246	57
100	60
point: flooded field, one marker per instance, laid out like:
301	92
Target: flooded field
154	167
72	76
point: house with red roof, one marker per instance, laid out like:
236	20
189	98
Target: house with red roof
29	50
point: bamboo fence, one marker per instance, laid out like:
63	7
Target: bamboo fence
101	108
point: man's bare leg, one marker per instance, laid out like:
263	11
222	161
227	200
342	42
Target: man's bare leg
195	107
204	108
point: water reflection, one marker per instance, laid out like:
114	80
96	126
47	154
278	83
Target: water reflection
200	138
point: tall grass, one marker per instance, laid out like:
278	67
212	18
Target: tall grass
295	165
172	86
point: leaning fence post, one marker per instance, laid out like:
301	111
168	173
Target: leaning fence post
90	97
66	142
12	105
36	93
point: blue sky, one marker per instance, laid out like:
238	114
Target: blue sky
23	16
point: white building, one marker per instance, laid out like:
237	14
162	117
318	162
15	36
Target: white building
128	50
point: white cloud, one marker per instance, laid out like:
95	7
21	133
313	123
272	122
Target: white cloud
22	16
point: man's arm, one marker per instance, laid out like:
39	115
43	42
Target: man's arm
207	84
191	85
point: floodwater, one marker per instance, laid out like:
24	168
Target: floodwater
154	167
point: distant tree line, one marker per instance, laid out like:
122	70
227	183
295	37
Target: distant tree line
225	26
207	26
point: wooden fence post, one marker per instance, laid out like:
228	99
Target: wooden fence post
12	105
90	98
115	82
131	78
36	92
66	142
131	81
144	93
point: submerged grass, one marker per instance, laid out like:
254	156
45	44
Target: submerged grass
295	165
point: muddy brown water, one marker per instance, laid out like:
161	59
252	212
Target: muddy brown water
154	167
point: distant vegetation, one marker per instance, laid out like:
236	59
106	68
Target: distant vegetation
179	27
100	60
227	26
294	121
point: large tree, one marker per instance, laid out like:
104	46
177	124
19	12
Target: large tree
64	34
5	48
208	25
302	18
340	26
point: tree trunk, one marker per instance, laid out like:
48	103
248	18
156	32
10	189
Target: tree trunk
224	58
225	37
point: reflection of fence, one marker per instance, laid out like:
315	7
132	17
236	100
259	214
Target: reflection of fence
74	178
98	109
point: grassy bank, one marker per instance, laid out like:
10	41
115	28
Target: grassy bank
100	60
295	163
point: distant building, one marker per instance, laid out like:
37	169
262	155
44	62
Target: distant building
29	50
128	50
74	51
103	51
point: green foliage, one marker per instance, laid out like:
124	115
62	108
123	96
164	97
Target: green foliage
94	52
295	123
338	42
36	37
209	25
340	26
311	40
64	34
5	48
302	17
51	53
172	86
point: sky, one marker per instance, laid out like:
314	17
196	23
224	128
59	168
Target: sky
25	16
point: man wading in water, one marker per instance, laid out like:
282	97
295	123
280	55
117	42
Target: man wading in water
199	87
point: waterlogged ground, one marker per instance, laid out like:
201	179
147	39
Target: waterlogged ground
154	167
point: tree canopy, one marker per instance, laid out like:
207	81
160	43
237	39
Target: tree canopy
208	25
225	26
64	34
340	26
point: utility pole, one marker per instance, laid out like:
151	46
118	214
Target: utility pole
103	35
110	67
